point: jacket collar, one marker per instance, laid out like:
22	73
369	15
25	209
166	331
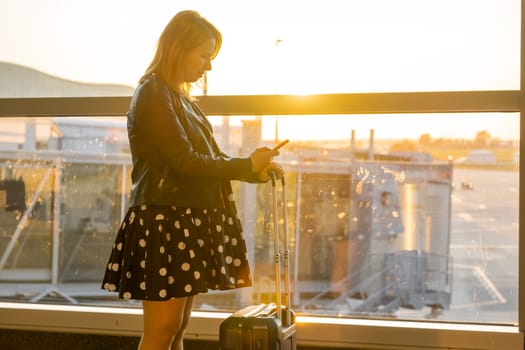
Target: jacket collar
198	115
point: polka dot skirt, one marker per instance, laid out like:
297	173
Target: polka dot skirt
164	252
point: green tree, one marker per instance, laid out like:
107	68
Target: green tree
482	139
425	139
404	146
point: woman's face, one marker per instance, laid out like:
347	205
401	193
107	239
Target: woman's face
198	61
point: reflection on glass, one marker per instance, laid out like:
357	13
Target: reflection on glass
380	235
381	226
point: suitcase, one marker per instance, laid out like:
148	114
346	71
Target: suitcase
266	326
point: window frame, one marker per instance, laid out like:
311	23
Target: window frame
312	331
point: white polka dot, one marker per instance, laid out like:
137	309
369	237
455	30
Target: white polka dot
230	220
123	225
188	211
132	217
223	270
163	293
119	247
115	267
142	285
110	287
226	239
142	243
229	259
232	280
128	275
188	288
237	262
171	280
186	232
177	224
220	248
192	253
197	222
143	264
143	207
160	228
162	250
159	217
109	266
126	295
223	217
218	228
163	271
168	237
185	267
204	263
234	242
201	242
141	222
147	233
205	211
182	245
240	281
169	258
213	272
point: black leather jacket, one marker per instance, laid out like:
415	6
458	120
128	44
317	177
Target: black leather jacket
176	160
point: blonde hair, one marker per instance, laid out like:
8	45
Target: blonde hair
185	31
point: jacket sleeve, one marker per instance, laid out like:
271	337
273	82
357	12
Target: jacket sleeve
246	177
160	123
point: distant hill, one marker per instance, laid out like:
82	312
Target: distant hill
22	81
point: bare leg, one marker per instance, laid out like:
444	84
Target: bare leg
163	320
177	343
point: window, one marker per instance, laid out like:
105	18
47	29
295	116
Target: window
401	205
379	224
284	47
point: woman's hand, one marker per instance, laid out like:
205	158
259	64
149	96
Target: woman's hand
261	157
264	175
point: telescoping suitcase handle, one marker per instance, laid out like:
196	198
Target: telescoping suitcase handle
284	313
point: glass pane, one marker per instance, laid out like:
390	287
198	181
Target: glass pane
270	47
380	224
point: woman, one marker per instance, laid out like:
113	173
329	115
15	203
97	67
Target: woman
181	235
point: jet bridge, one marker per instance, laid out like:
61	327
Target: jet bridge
391	246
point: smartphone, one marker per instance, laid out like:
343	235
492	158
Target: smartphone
280	144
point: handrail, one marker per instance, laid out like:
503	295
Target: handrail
351	103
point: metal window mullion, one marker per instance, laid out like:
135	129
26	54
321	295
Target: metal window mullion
521	238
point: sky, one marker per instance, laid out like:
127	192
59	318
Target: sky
281	46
